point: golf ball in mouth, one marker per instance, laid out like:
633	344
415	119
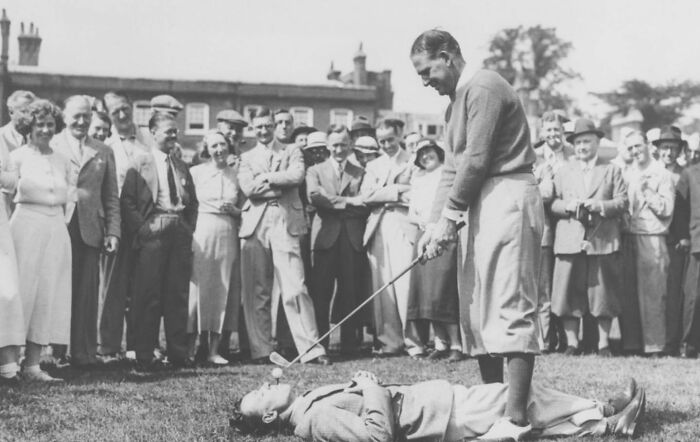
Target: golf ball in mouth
276	373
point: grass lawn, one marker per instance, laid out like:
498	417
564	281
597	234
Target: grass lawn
121	404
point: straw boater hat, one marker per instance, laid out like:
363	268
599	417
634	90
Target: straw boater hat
672	134
366	145
428	144
316	139
584	126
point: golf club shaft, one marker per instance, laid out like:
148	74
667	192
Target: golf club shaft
358	308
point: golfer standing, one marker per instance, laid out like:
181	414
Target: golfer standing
488	170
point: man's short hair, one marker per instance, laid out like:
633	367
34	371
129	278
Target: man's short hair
262	111
16	96
159	117
636	132
337	129
435	41
99	115
552	116
388	124
78	97
116	95
282	111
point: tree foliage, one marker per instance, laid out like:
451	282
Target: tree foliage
660	105
534	58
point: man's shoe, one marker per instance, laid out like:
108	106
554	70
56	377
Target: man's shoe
217	361
152	366
625	422
455	356
437	355
689	352
41	376
505	429
321	360
605	352
620	401
571	351
12	382
183	363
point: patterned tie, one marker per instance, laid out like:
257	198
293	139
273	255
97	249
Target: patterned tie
172	188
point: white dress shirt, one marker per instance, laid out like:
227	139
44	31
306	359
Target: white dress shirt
162	164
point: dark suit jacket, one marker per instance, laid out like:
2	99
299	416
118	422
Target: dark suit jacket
329	196
140	193
607	187
284	177
98	194
418	412
686	219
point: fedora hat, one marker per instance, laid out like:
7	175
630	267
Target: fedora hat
316	139
584	126
361	123
428	144
672	134
302	130
366	145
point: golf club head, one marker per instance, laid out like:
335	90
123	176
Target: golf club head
277	359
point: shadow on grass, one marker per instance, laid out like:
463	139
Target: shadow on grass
122	374
655	421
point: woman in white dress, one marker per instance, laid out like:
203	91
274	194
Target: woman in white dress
215	247
41	240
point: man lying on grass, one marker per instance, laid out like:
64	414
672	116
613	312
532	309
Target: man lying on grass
366	410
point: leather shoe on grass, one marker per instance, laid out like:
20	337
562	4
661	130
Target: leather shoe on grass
625	422
437	355
455	356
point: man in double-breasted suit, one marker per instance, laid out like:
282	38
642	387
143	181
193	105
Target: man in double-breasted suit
333	188
94	221
590	197
271	224
389	237
160	211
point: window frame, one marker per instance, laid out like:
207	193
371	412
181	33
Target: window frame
309	121
205	118
333	111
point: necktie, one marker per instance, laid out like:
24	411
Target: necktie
172	188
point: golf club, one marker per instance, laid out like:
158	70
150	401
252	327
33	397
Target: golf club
279	360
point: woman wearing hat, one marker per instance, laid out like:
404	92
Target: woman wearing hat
215	281
433	298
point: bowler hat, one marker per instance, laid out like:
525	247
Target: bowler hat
302	130
316	139
231	116
672	134
361	123
425	144
584	126
166	102
367	145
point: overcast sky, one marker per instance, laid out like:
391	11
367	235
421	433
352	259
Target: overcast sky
295	40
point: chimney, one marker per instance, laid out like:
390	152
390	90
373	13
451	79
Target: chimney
29	45
5	30
360	73
333	74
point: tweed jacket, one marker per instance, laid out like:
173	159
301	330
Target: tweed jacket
264	178
381	193
608	187
418	412
140	193
95	187
328	194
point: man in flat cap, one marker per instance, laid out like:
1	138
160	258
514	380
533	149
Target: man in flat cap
231	124
488	170
590	197
167	104
366	149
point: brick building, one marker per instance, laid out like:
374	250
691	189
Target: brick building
338	99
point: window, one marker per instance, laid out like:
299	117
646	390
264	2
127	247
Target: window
142	113
303	116
432	130
341	116
196	118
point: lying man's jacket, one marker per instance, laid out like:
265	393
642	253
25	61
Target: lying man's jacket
418	412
